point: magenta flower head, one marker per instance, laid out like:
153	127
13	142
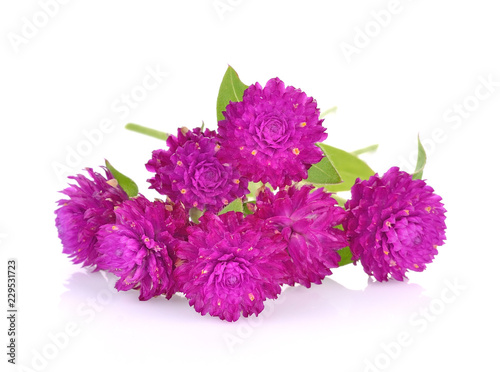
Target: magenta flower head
228	267
138	247
270	135
191	172
394	224
90	205
307	223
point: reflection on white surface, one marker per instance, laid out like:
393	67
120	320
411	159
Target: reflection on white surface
119	330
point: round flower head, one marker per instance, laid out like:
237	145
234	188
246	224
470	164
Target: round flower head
394	224
138	247
90	205
229	267
307	223
270	135
190	172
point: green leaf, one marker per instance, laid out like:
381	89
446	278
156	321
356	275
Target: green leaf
195	214
231	90
126	183
345	256
364	150
147	131
235	206
422	159
253	187
323	174
348	166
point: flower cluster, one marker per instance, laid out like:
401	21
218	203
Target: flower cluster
229	249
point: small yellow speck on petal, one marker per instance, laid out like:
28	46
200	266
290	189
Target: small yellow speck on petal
241	147
114	228
386	252
217	148
195	204
179	163
183	191
435	246
203	271
428	209
407	211
225	201
254	152
251	296
416	266
295	105
303	124
218	302
388	223
236	181
250	249
296	151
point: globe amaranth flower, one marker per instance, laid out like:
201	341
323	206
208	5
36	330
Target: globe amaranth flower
90	205
307	223
138	247
191	172
228	268
394	224
270	135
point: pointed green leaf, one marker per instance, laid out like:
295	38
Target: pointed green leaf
345	256
348	166
231	90
323	174
235	206
422	159
126	183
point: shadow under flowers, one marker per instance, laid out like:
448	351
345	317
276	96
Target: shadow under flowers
329	301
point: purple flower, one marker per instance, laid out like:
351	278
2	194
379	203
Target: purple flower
307	223
228	267
90	205
191	172
394	224
138	247
270	135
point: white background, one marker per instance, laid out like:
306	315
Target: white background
422	71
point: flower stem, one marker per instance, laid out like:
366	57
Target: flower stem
147	131
365	150
331	110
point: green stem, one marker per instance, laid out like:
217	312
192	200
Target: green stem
327	112
365	150
147	131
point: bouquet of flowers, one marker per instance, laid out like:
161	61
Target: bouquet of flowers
249	208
